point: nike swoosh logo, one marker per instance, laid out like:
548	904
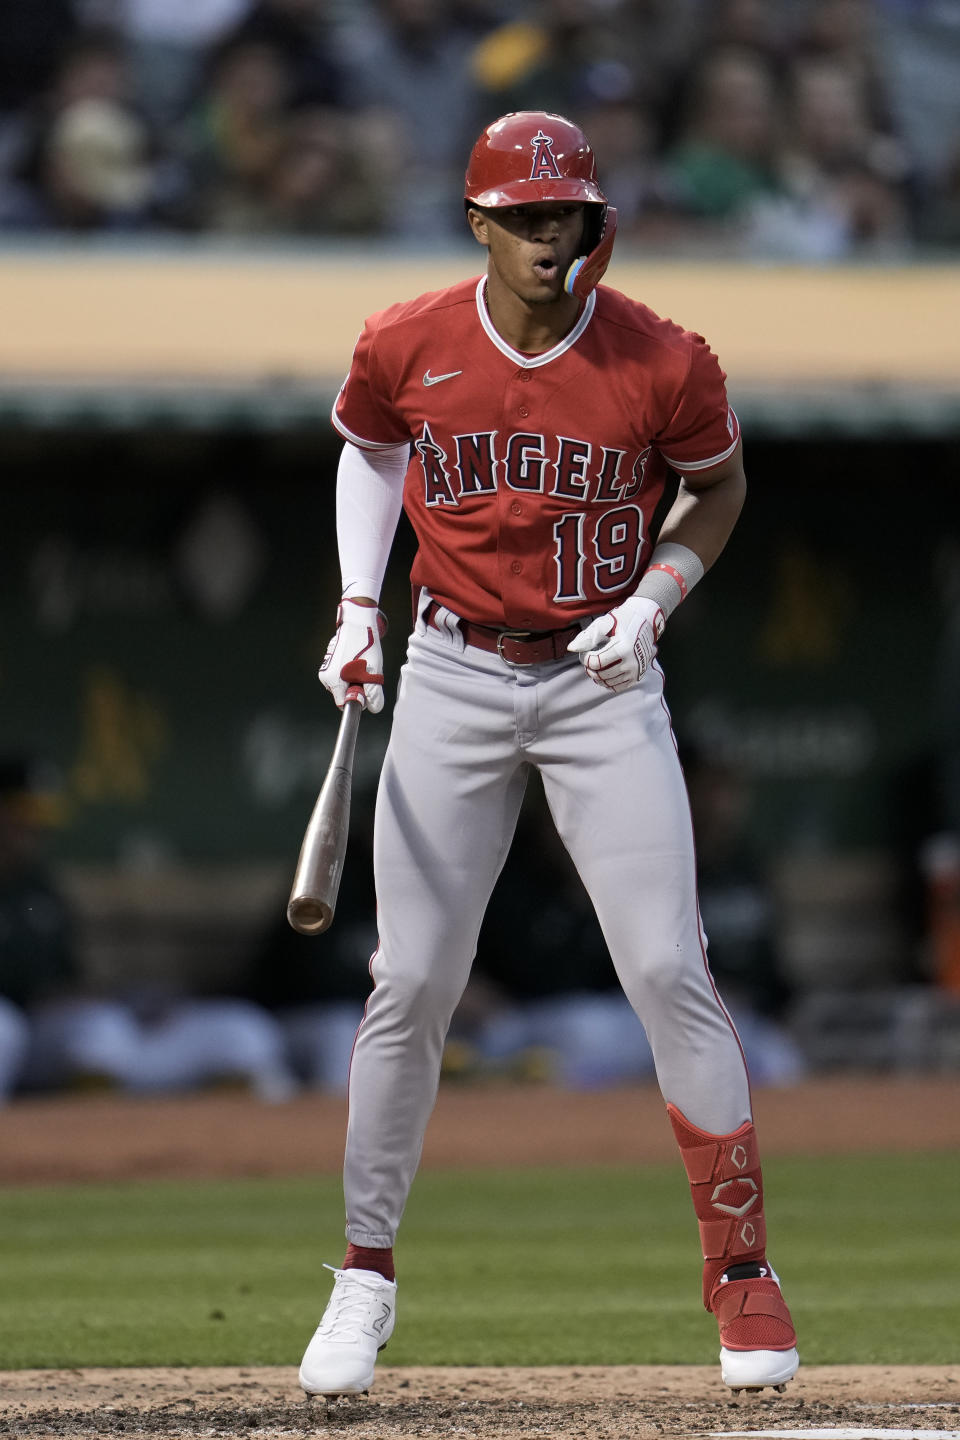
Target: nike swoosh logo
429	379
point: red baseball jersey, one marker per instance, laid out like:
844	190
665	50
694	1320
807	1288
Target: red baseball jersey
533	479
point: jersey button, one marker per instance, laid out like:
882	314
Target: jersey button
524	376
522	410
516	508
516	566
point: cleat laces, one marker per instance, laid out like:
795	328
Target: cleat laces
355	1304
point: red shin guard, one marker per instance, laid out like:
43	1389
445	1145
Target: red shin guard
727	1189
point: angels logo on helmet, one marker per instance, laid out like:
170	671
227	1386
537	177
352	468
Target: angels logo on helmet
544	165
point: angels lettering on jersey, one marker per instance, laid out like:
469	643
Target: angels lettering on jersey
616	542
480	460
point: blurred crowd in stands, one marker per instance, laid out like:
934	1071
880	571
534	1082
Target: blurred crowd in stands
808	130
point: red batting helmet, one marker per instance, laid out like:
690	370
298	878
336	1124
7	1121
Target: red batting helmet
531	155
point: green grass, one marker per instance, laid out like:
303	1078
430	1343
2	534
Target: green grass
534	1267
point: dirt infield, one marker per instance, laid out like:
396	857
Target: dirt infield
105	1138
615	1403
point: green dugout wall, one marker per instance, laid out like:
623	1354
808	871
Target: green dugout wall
165	599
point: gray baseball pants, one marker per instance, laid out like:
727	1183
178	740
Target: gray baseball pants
466	728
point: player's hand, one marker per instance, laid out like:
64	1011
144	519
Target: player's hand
618	648
354	655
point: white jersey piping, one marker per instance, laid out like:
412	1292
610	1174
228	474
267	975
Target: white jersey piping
358	440
532	362
705	464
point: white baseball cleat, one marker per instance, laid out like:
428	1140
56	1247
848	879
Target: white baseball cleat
756	1369
357	1323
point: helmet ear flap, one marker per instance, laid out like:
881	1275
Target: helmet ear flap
587	270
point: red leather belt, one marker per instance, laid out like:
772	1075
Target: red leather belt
517	647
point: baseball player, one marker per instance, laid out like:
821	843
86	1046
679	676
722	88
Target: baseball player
526	421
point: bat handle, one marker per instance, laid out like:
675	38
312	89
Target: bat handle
355	695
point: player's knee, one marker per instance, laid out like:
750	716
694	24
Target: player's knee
419	998
660	975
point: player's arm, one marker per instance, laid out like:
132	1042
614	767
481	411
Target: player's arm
700	440
706	509
619	647
369	501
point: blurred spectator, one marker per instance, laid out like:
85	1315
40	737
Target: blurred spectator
790	160
726	153
940	854
300	31
235	135
623	133
846	179
543	1000
845	35
551	58
267	156
166	43
54	1032
37	962
96	168
762	26
316	985
327	181
91	162
410	59
920	46
737	910
323	180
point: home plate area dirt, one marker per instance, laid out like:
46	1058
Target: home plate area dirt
588	1403
106	1138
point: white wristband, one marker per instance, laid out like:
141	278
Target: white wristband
671	575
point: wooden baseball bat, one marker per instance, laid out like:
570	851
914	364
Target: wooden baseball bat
313	897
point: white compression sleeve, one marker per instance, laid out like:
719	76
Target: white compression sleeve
369	501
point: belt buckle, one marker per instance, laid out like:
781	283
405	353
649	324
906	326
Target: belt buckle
513	635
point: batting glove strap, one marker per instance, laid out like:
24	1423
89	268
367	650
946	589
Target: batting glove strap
354	655
618	648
